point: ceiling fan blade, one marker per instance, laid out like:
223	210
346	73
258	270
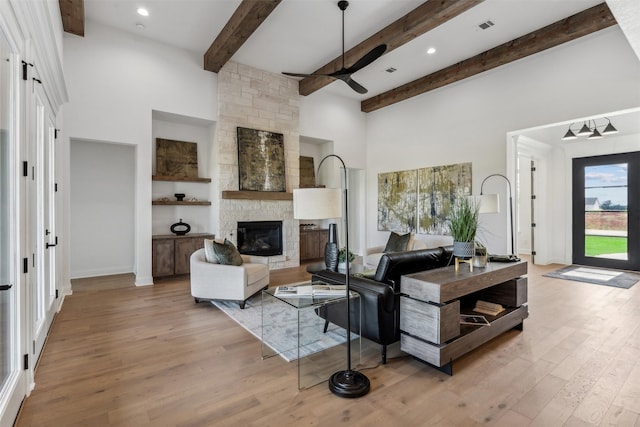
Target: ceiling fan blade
297	74
354	85
367	59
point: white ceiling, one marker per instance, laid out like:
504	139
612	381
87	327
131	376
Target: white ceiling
302	35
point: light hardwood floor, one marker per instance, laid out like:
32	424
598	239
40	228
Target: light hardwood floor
118	355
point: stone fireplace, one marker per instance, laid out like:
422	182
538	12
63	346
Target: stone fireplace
255	99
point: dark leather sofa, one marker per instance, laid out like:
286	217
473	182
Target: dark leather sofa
380	296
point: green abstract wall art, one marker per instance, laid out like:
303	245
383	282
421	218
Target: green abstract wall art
438	187
397	197
419	200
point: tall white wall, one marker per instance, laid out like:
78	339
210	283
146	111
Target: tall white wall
102	200
468	121
115	80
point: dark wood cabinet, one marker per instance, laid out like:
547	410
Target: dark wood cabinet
312	243
170	254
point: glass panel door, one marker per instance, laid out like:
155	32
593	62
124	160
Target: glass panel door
605	202
7	290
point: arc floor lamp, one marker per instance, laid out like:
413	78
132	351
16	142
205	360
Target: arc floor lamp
324	203
491	204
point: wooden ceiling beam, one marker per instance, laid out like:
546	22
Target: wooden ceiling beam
425	17
249	15
72	13
578	25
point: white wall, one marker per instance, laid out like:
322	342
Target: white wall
102	208
115	80
468	121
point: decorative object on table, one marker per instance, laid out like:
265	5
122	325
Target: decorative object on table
463	225
176	158
342	258
490	203
179	196
180	228
438	187
480	255
307	172
261	164
331	249
324	203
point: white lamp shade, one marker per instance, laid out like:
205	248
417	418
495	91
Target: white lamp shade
317	203
489	203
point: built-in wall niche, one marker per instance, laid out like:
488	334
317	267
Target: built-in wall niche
195	207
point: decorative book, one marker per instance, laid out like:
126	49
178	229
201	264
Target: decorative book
489	308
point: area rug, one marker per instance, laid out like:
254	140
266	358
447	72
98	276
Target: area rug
596	276
281	326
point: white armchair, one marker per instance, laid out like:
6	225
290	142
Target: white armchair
211	281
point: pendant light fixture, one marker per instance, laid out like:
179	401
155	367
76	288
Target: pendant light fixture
590	130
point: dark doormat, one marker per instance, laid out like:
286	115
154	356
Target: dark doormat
597	276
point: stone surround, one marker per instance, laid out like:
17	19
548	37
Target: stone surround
255	99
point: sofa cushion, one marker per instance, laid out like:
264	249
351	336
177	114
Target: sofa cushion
397	242
227	253
209	252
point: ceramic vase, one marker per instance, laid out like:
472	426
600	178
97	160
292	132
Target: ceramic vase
331	249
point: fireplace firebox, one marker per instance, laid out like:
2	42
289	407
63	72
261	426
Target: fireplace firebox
262	238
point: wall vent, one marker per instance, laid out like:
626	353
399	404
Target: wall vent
485	25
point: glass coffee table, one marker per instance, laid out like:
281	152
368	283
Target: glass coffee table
292	329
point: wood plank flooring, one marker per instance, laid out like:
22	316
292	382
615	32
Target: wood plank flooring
118	355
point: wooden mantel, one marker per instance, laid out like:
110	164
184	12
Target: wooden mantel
257	195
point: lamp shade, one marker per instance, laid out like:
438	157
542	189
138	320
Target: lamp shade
317	203
489	203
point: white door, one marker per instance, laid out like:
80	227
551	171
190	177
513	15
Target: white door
12	375
44	240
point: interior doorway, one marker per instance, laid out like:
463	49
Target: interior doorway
606	211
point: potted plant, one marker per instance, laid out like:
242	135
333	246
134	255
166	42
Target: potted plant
463	225
342	258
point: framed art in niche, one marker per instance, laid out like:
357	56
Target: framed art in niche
176	158
261	164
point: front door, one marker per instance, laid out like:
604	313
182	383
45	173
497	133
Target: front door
606	211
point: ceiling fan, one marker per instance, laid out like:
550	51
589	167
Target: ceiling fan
344	73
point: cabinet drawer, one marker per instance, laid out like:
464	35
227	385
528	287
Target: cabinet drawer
430	322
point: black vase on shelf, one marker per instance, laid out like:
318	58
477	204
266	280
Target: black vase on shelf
331	249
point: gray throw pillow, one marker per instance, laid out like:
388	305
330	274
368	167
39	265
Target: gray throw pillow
227	253
397	242
209	252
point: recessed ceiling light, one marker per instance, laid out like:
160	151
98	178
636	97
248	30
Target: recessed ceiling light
140	26
431	51
143	12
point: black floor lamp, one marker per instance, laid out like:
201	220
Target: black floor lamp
495	206
324	203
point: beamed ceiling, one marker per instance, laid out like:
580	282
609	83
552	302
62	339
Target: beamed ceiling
250	31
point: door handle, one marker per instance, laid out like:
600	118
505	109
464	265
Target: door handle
5	287
51	245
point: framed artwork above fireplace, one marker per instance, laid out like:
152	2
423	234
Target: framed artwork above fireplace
261	164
